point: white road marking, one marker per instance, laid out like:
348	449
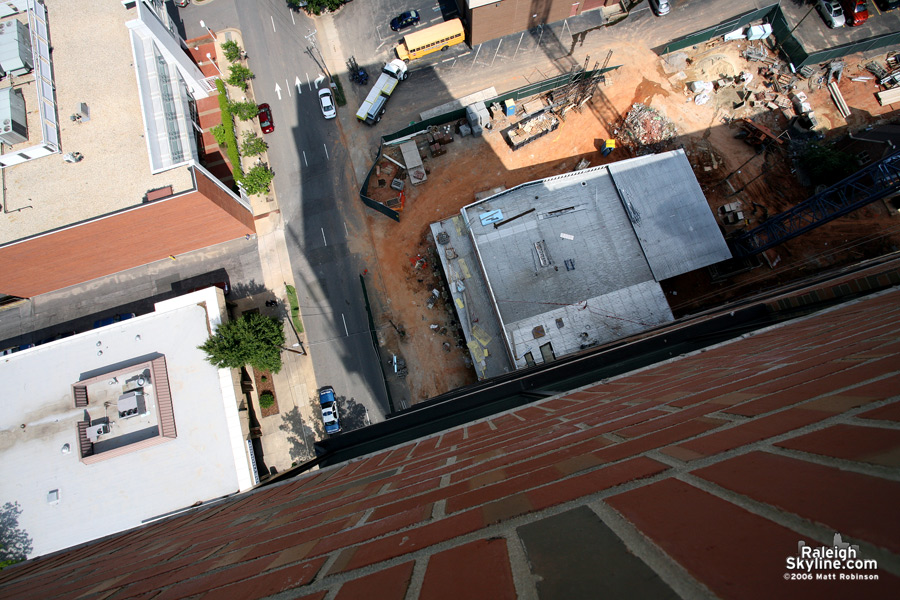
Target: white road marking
319	80
466	53
519	44
288	86
273	23
345	325
496	52
293	22
278	90
448	59
298	83
345	229
475	60
304	158
435	19
307	81
323	236
326	151
380	45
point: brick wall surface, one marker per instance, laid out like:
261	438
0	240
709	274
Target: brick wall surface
698	477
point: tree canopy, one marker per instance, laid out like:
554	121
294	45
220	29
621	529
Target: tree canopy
253	340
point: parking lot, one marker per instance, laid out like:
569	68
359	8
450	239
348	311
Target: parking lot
815	34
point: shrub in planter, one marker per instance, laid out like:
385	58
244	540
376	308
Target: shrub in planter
266	400
232	50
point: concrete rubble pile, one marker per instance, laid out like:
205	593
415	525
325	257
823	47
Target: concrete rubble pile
646	130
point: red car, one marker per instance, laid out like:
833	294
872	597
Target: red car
265	118
855	12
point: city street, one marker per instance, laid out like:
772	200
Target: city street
315	189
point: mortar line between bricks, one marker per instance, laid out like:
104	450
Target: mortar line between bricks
874	423
417	579
505	529
669	570
523	578
768	445
852	466
802	526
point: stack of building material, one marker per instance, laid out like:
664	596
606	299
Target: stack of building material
888	96
838	99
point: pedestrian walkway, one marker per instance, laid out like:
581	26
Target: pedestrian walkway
284	442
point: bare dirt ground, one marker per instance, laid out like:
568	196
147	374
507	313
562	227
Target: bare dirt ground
406	273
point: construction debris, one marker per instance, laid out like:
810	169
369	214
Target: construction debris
529	130
645	130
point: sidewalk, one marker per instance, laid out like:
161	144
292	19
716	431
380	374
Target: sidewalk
286	439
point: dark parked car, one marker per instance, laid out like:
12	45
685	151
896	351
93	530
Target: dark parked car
407	19
110	320
887	4
265	118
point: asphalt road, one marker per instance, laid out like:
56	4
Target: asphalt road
315	188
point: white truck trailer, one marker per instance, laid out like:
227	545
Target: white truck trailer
373	106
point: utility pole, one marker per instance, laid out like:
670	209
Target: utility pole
311	38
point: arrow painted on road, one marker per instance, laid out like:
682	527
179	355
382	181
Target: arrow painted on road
297	83
278	90
319	80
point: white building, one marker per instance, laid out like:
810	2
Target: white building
107	429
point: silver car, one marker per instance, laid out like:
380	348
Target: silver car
660	7
832	13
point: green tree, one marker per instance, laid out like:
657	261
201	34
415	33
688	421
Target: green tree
15	543
253	340
253	145
232	50
220	134
257	179
239	76
316	6
244	110
826	165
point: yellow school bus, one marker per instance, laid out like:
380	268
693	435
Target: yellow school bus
434	38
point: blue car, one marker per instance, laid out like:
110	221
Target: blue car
330	415
407	19
111	320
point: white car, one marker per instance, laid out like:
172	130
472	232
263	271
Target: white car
661	7
832	13
326	99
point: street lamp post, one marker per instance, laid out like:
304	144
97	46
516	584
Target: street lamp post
210	59
211	32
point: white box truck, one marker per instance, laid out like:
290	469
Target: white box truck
373	106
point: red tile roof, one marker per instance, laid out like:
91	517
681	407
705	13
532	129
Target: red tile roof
699	475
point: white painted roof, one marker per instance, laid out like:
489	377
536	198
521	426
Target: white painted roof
206	460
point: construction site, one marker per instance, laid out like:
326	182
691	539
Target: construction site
748	124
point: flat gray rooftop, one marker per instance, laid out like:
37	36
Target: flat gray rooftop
93	64
671	217
574	260
603	254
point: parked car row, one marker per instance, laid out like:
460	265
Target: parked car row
837	13
12	349
98	323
